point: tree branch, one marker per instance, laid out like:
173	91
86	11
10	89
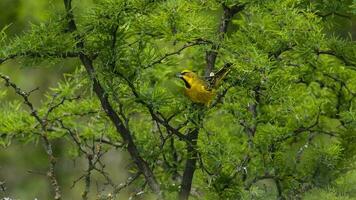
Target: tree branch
87	177
48	146
126	183
33	54
338	56
109	110
304	147
252	108
190	165
187	45
324	16
226	18
160	119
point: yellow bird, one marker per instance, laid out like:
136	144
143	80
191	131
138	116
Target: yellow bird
199	90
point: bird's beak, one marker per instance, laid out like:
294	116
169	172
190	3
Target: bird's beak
179	75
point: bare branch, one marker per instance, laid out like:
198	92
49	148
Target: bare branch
87	177
130	180
24	95
55	106
108	142
160	119
76	181
74	136
36	172
42	122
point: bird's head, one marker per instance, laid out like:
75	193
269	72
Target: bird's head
188	77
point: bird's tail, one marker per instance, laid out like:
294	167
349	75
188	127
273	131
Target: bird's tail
220	75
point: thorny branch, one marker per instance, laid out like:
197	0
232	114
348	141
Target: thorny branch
53	106
88	177
111	143
89	157
42	121
93	156
126	183
155	116
117	188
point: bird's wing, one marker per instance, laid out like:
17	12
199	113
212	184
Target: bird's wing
220	75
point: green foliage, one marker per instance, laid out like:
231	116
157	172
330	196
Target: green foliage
353	7
284	127
42	42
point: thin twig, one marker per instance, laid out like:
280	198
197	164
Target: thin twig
333	14
187	45
155	116
304	147
128	182
32	54
47	143
88	177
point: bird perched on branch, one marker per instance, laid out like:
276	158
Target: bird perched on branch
199	90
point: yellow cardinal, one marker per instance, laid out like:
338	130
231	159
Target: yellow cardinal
199	90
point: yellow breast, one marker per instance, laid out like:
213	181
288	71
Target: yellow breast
196	88
199	94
